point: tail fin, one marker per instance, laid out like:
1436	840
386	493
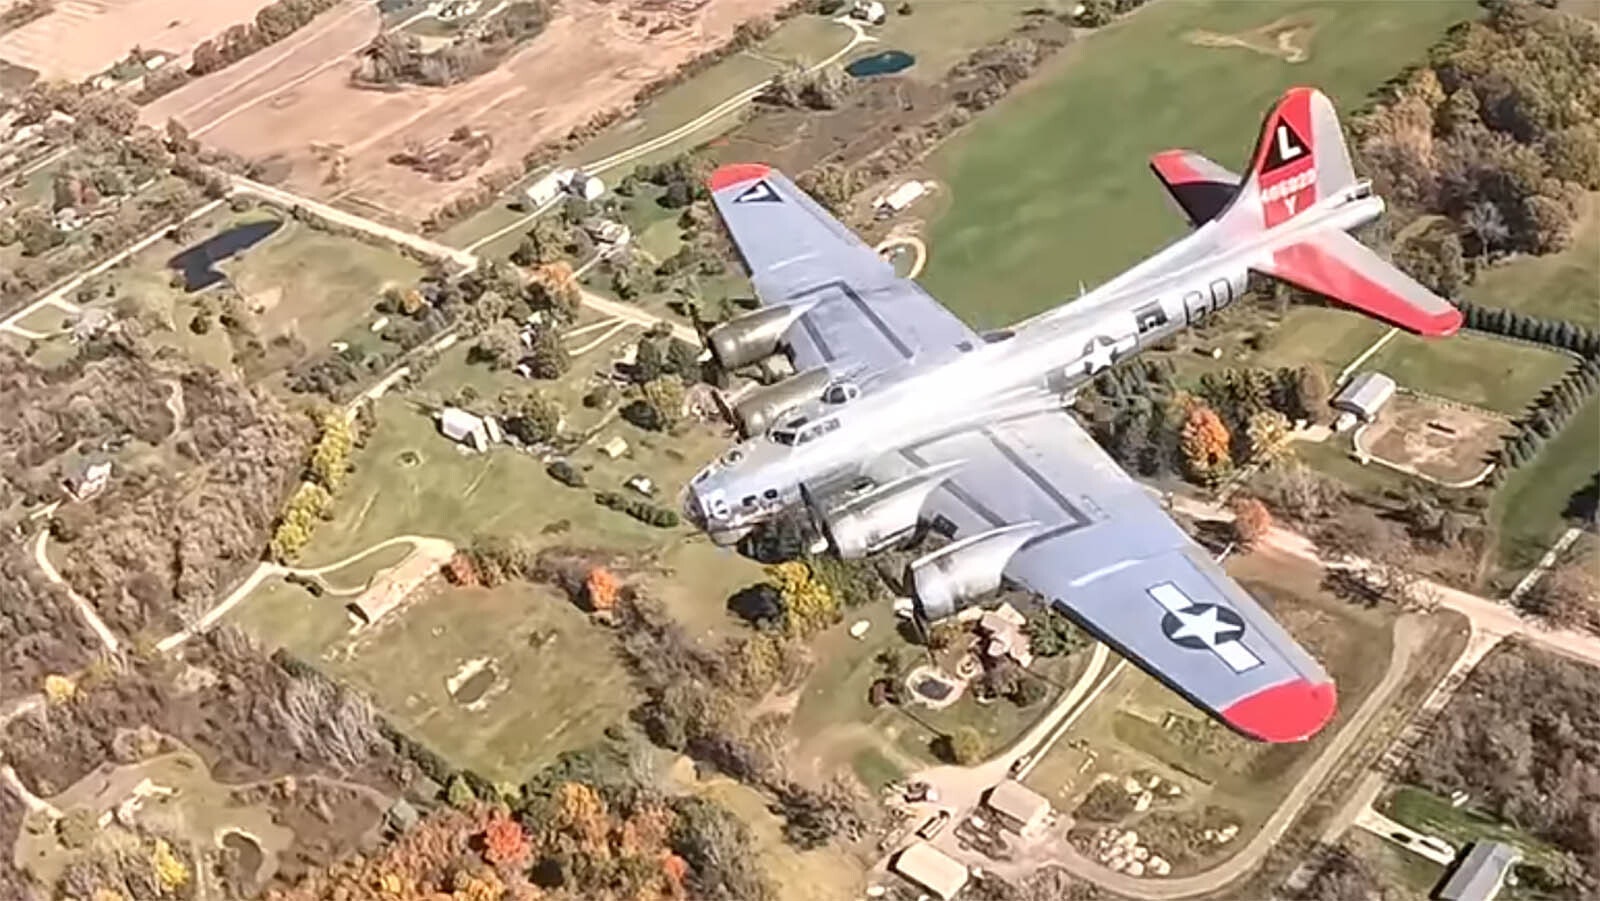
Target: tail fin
1299	159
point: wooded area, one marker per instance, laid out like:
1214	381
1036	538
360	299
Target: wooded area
1522	737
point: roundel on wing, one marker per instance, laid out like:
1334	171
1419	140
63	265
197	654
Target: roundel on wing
1202	626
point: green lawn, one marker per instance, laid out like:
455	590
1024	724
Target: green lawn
1481	370
941	34
1529	507
1050	187
1430	814
1326	335
559	683
1565	285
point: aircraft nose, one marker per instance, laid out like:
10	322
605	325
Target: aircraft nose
693	510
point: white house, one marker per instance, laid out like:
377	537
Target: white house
464	428
88	478
1018	807
869	11
546	188
900	198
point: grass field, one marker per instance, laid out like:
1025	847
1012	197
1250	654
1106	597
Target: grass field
1529	507
558	683
940	35
1411	875
1050	187
1565	285
1428	813
1484	371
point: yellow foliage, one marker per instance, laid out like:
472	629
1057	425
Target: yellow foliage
1268	432
170	871
59	689
809	606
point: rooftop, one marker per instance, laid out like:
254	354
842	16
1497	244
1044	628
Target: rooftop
1016	801
932	869
1480	874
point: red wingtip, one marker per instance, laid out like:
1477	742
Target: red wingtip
734	173
1293	711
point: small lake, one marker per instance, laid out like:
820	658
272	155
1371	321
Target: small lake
197	262
885	63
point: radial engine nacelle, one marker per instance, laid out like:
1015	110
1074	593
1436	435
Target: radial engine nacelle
952	577
757	410
753	336
872	521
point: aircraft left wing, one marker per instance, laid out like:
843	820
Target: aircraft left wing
858	311
1107	554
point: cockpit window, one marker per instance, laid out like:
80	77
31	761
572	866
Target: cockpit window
784	437
841	393
817	430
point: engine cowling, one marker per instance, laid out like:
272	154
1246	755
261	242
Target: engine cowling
955	575
757	410
881	516
753	336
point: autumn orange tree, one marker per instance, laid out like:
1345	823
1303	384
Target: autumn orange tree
1251	520
505	844
601	588
1204	441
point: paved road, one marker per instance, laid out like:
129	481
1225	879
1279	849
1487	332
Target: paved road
91	617
350	220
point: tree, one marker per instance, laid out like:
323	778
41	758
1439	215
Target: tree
1251	521
1311	393
505	844
1435	258
500	346
1205	443
1268	435
548	358
170	870
965	746
647	362
808	605
665	396
555	288
533	416
59	689
601	587
1052	634
459	793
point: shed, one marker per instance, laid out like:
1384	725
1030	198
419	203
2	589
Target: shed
460	426
1481	873
614	448
1018	807
1364	395
869	11
902	197
932	869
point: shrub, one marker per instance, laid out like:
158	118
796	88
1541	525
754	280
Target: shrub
567	474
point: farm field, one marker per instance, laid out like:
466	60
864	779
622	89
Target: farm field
1049	187
80	38
589	58
940	35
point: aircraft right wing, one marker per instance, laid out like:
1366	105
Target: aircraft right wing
1335	265
1102	549
858	311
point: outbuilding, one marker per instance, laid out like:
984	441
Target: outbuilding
901	197
87	478
1481	873
932	869
1018	807
1364	395
464	428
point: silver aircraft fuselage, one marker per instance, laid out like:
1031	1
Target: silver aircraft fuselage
1040	362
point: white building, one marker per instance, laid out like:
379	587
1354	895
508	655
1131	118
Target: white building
464	428
1018	807
1364	395
900	198
932	869
88	478
869	11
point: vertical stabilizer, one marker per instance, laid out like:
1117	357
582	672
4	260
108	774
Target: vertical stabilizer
1299	159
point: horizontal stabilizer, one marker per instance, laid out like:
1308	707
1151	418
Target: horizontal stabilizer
1340	268
1200	187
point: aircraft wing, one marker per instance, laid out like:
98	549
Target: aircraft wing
1110	557
858	311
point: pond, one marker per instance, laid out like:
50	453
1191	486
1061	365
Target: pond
885	63
247	856
197	262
